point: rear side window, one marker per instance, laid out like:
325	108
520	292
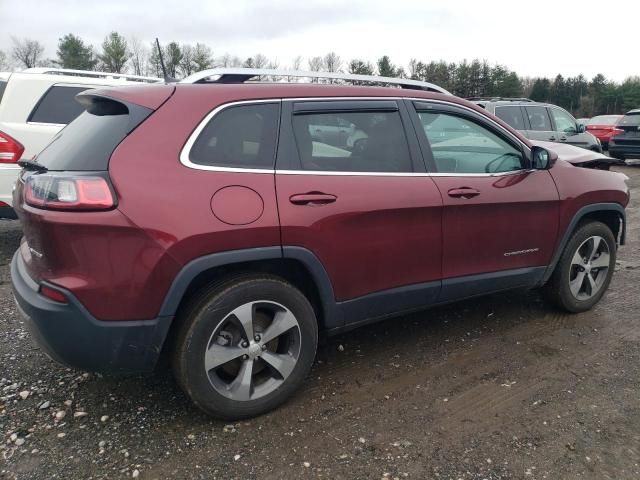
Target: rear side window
58	105
539	119
352	142
242	136
512	116
86	144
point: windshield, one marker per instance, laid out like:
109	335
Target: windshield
604	120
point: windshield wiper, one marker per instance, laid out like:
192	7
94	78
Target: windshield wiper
31	165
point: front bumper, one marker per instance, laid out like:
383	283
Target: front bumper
69	334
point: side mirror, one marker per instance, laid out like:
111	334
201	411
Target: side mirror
582	128
542	159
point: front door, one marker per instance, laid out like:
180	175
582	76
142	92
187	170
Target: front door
499	218
365	207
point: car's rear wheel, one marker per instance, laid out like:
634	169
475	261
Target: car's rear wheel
245	346
585	268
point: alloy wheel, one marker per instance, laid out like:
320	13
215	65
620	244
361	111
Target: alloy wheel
589	268
253	350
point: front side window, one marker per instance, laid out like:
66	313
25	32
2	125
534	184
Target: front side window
564	122
511	115
460	145
241	136
352	142
539	119
58	105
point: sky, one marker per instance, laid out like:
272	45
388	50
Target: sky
533	38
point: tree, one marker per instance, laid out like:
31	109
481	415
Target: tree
187	64
154	61
332	62
260	61
4	63
115	53
172	59
27	52
139	55
386	68
360	67
73	53
316	64
296	63
202	57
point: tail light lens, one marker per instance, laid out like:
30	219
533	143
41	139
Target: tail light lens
53	294
616	131
10	149
55	192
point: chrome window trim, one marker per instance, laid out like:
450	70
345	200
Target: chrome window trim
186	149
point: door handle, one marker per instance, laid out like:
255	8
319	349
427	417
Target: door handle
463	192
552	139
312	198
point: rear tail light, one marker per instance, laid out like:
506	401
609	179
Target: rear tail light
53	294
10	149
2	204
55	192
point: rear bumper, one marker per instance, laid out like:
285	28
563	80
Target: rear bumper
624	150
69	334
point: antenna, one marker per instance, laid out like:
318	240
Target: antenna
167	78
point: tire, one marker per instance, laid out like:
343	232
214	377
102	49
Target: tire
212	332
565	287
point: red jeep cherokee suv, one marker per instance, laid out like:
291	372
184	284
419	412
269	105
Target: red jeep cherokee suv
228	224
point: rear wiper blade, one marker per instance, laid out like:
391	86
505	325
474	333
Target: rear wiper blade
31	165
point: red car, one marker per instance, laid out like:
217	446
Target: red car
213	222
603	127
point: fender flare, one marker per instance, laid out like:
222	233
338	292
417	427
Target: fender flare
332	314
579	215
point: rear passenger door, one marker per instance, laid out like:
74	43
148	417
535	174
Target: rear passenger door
365	209
539	126
512	115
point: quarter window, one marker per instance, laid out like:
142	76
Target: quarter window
539	119
58	105
241	136
564	122
512	116
460	145
352	142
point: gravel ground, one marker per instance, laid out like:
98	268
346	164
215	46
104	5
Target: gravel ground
496	388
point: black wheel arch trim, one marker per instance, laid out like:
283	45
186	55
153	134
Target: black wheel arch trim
332	315
577	217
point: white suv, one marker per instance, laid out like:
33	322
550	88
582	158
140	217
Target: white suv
35	104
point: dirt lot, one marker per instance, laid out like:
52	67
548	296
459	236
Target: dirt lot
503	387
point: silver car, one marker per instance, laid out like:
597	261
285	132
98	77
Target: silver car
541	121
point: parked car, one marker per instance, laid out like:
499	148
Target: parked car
625	142
35	104
603	127
541	121
202	220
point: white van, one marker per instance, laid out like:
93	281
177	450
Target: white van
35	104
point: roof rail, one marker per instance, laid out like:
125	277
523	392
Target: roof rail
499	99
241	75
91	74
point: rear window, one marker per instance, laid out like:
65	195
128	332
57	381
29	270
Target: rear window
630	120
86	144
512	116
3	86
58	105
604	120
242	136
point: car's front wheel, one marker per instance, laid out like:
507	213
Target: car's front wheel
245	346
585	268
